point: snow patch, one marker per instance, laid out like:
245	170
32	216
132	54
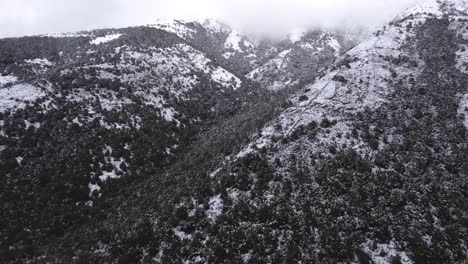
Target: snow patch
333	42
216	207
40	62
17	96
215	26
92	188
181	234
7	80
66	35
383	253
233	41
428	6
226	78
463	109
105	39
177	27
462	59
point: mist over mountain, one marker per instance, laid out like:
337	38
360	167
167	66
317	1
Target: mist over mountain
291	138
259	18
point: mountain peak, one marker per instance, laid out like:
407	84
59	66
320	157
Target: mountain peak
438	8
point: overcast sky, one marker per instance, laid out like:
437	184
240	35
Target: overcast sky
260	17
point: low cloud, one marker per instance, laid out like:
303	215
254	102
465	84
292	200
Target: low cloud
270	18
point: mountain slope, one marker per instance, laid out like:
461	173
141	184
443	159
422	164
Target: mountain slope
82	114
87	116
226	45
367	164
300	59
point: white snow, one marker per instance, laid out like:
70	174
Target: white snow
278	64
168	114
214	173
66	35
40	62
214	25
216	207
462	59
116	164
7	80
181	234
463	109
366	83
103	249
427	6
226	78
105	39
29	124
15	97
106	175
333	42
93	187
218	74
233	41
383	253
177	27
108	99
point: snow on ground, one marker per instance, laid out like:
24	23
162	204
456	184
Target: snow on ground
462	56
460	6
66	35
277	63
181	234
218	74
177	27
364	83
15	97
333	42
92	188
108	99
463	109
169	115
7	80
108	175
105	39
278	66
383	253
214	25
234	41
40	62
226	78
216	207
428	6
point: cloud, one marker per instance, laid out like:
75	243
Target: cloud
275	18
260	17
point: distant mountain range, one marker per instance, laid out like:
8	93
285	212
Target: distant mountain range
188	142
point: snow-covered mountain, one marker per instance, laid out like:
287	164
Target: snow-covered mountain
85	115
301	57
368	164
186	142
219	40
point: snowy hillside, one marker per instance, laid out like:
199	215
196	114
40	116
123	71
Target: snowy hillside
301	59
187	142
361	152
